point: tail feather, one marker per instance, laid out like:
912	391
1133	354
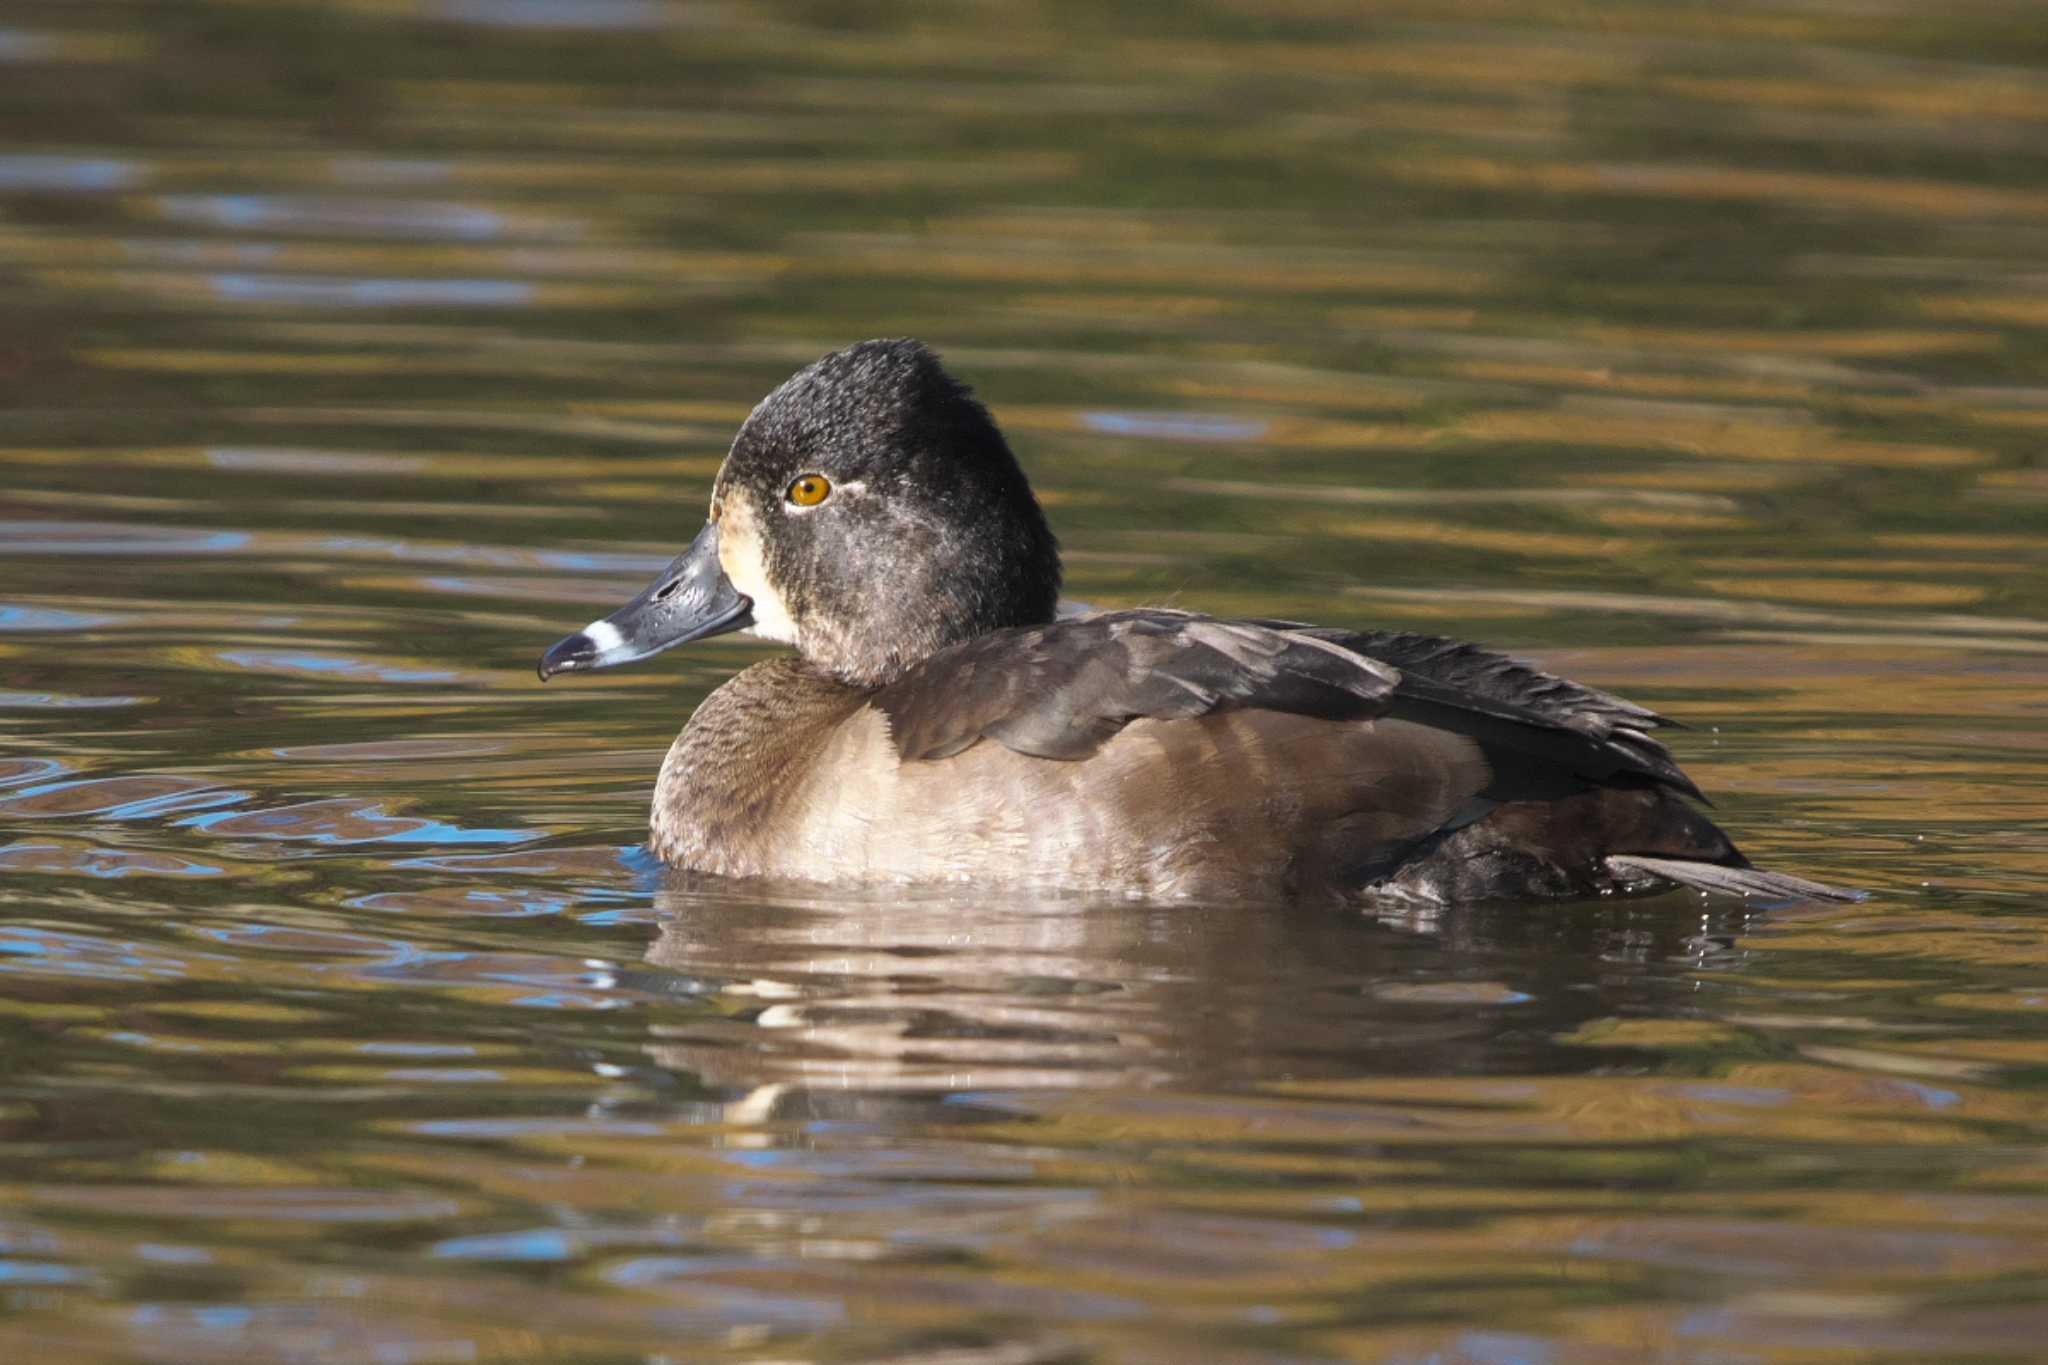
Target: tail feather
1734	881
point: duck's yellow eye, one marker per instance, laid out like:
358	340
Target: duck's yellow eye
810	490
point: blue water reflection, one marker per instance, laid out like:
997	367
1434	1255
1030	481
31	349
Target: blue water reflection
13	618
333	665
55	701
21	45
534	1244
51	174
112	538
25	1273
341	822
71	858
1175	426
553	14
301	213
336	291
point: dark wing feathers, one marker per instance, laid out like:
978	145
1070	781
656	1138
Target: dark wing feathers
1485	676
1493	697
1061	690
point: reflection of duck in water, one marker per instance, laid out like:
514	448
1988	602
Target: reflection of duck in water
876	994
939	723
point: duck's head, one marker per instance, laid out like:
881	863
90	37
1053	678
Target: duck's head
869	513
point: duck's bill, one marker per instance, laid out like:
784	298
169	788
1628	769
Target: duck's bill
691	600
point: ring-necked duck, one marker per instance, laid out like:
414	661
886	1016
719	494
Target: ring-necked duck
941	720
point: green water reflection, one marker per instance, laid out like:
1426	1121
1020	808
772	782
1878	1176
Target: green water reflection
352	351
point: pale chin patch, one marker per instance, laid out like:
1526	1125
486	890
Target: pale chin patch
739	554
782	630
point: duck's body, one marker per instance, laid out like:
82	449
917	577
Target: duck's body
1160	809
938	724
987	765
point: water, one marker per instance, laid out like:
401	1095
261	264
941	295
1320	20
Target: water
353	353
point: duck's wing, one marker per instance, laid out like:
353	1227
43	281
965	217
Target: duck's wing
1507	704
1062	690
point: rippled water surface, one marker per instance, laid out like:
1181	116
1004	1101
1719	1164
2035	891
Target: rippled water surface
353	352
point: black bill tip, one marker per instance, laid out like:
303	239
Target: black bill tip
567	655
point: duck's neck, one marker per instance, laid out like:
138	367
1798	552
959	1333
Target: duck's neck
875	649
741	759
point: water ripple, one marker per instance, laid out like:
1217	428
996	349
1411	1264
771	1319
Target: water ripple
594	15
388	750
304	1204
118	798
307	664
18	618
1175	426
255	459
464	902
341	820
112	538
337	291
16	771
53	174
64	701
73	857
407	218
39	950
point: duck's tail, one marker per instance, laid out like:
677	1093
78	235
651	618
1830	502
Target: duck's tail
1733	881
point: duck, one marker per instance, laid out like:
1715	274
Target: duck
943	718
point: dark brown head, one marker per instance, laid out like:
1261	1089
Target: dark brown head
869	513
